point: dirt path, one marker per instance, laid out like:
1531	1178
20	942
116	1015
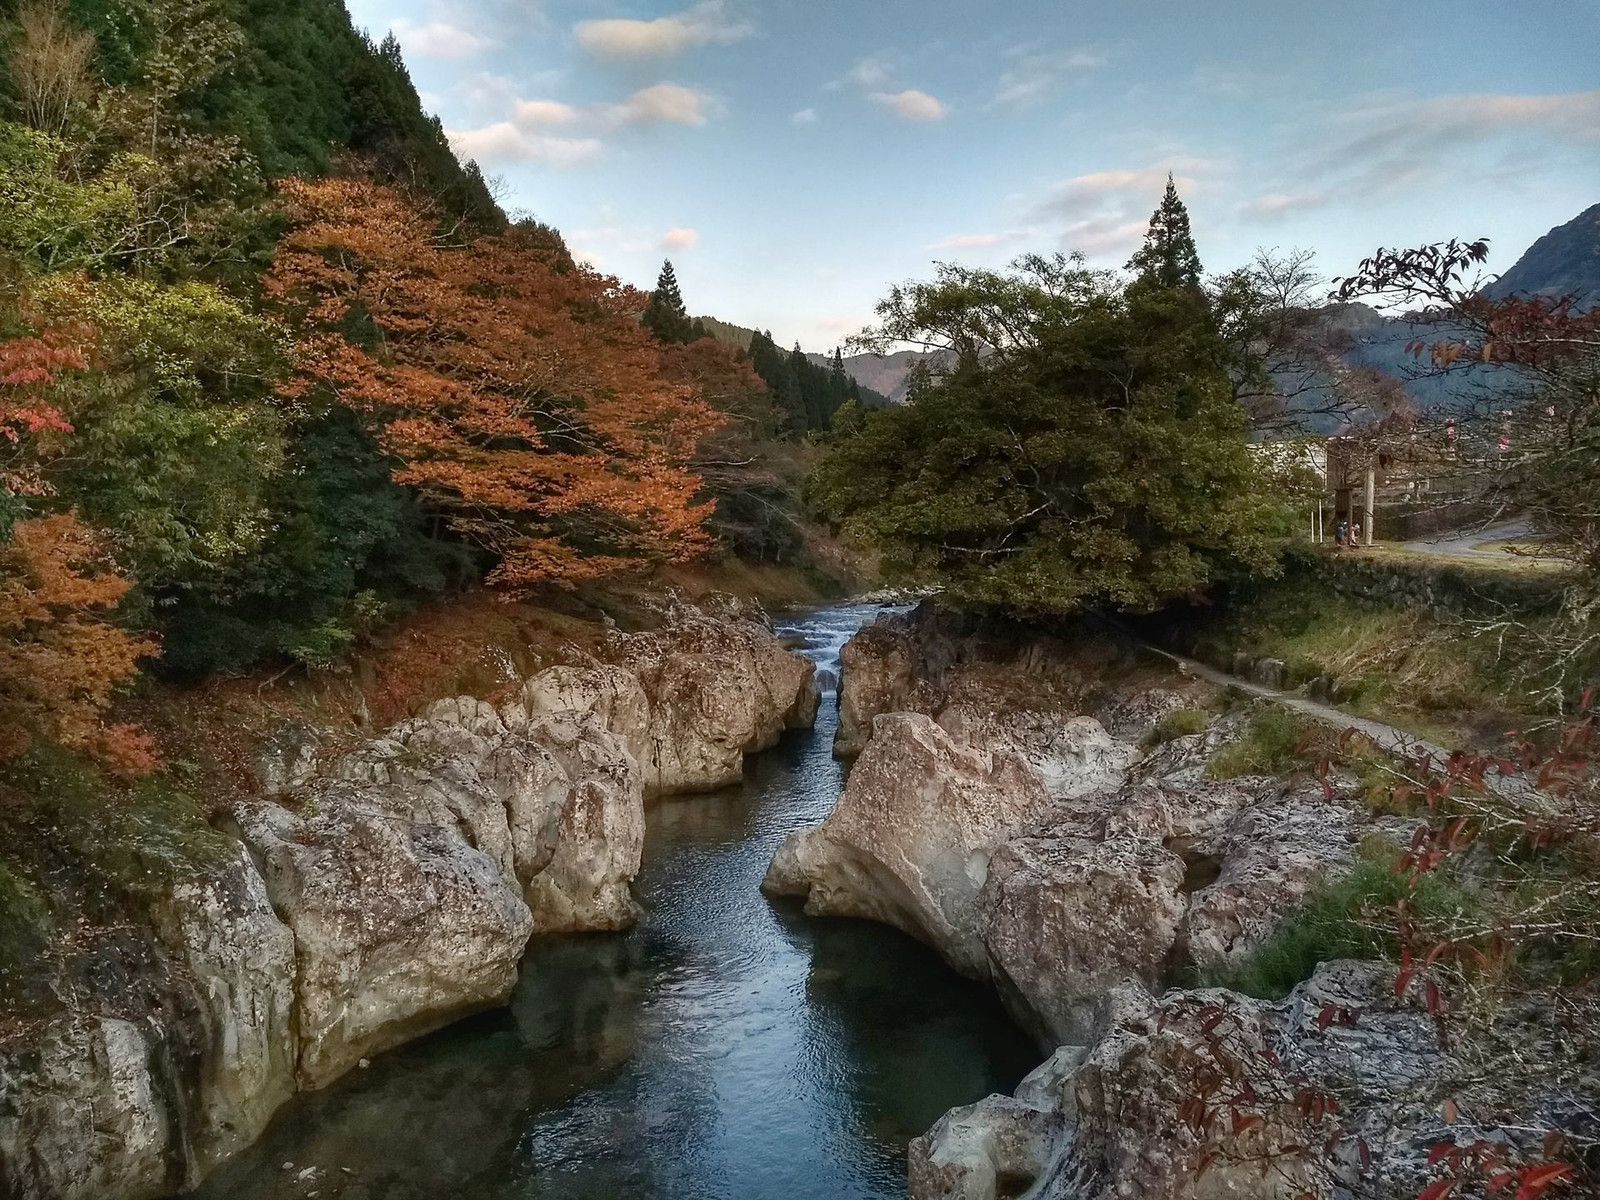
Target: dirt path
1389	738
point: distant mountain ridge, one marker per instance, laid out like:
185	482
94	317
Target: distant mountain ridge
1564	262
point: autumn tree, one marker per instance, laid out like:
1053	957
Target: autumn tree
51	65
525	402
60	658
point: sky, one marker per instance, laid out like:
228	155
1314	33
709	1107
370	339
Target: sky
795	158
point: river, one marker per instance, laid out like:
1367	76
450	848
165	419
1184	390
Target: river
728	1046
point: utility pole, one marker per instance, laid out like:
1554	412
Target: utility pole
1367	505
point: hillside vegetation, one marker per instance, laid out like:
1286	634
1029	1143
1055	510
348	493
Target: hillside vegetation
275	368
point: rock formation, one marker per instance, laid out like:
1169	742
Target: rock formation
1116	1117
1033	849
371	896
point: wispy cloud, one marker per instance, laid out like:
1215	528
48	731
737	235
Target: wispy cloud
679	239
1275	206
1032	74
806	116
974	241
711	22
874	71
1389	147
438	39
1102	213
910	105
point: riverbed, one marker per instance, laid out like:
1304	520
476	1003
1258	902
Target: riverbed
728	1046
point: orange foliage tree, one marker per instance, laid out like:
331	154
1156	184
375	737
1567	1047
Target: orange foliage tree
518	392
28	367
60	659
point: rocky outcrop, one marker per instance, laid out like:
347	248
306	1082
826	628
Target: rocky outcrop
372	895
1203	1094
689	701
909	842
414	869
183	1070
1036	851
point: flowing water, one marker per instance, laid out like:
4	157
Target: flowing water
726	1047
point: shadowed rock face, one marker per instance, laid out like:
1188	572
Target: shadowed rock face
384	895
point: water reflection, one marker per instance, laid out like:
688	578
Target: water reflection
726	1047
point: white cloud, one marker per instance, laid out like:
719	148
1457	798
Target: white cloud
709	22
542	112
660	104
910	105
679	239
506	142
1033	74
438	39
1275	206
523	137
806	116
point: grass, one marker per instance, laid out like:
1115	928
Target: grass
1338	920
1267	746
1392	664
1514	563
1181	722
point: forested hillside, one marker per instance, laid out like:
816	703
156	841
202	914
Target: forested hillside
275	367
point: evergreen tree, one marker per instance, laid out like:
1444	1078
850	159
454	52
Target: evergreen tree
1168	258
665	315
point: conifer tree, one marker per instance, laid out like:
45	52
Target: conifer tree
1168	258
665	315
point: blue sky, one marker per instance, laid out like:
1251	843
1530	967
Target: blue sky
796	158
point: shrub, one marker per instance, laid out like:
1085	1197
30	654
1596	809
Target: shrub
1266	748
1337	921
1181	722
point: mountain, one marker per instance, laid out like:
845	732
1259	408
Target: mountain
1564	262
887	374
736	336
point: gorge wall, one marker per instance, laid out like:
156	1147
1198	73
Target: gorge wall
368	896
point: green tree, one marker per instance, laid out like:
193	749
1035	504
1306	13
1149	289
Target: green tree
1084	449
1168	258
665	315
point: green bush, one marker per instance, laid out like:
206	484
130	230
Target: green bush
1337	921
1266	748
1181	722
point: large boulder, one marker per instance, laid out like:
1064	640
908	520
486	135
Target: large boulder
83	1115
1000	1145
175	1057
909	841
1065	918
878	670
401	923
241	959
